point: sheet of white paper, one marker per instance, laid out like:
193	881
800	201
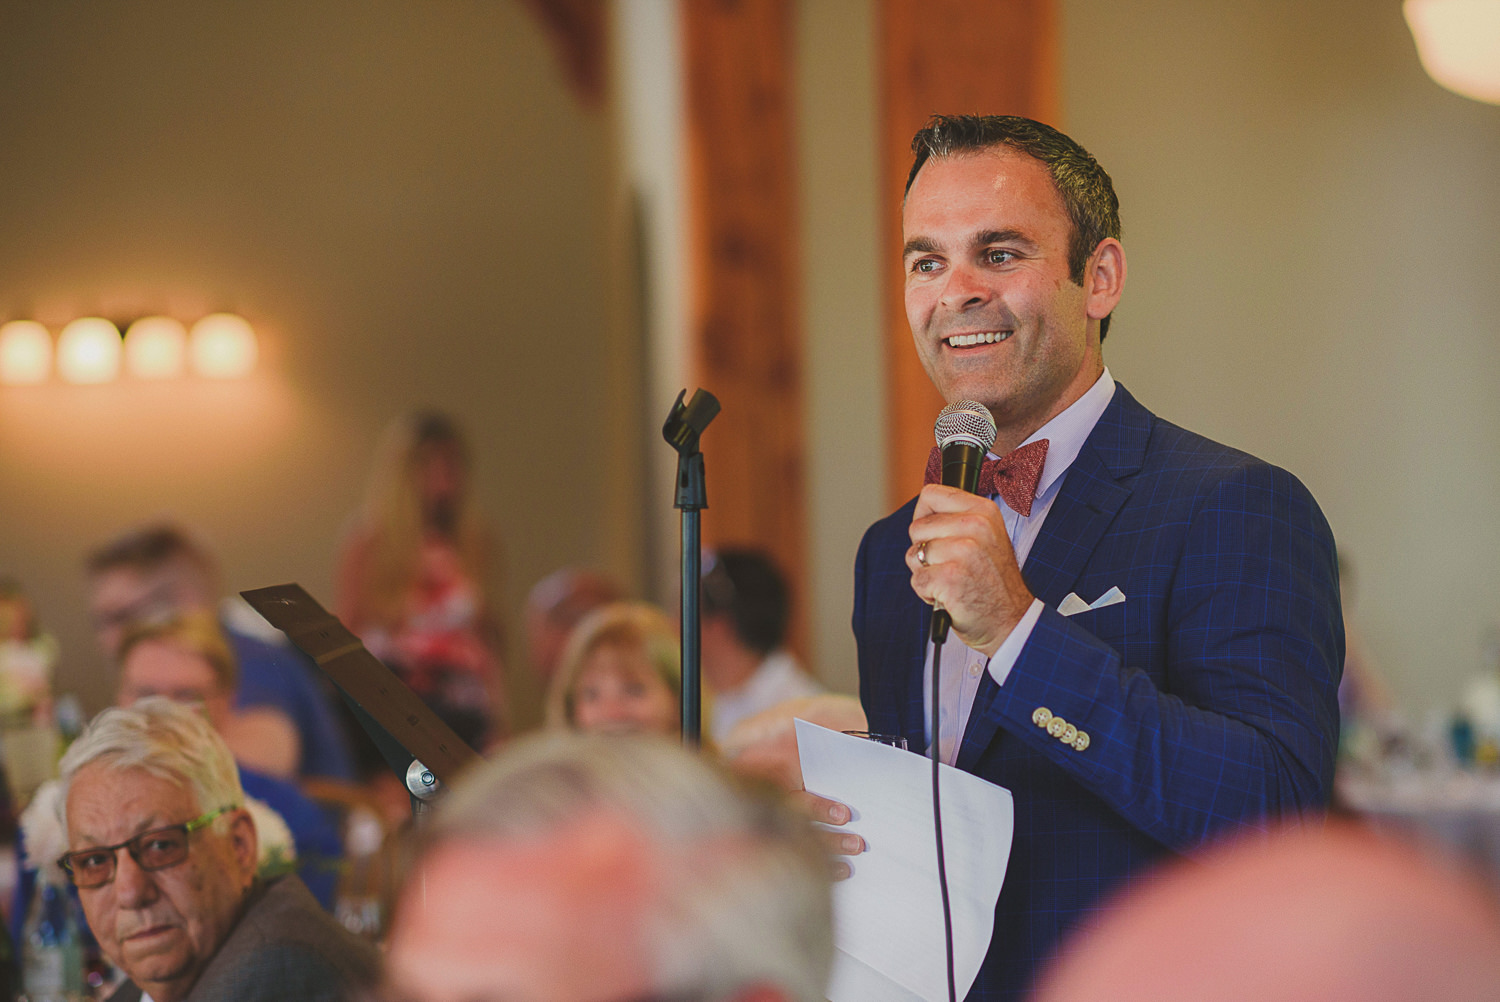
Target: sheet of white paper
888	916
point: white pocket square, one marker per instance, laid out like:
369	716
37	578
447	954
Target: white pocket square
1072	605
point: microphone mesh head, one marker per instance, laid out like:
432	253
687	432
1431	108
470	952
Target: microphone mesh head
965	421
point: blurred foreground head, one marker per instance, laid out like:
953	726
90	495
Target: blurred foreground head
1334	915
577	868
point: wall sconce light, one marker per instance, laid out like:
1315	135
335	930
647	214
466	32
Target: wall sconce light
1458	42
156	348
88	351
25	353
223	347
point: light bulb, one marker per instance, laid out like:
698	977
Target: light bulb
223	347
25	353
156	348
88	351
1458	42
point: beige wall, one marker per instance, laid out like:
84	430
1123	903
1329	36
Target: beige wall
1310	227
406	202
845	373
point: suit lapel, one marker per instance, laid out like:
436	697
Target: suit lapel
913	723
1087	502
1086	505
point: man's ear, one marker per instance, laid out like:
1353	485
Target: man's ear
1104	279
245	844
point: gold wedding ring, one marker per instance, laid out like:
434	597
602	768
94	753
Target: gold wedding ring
922	553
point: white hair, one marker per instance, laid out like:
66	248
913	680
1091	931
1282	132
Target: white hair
164	739
747	896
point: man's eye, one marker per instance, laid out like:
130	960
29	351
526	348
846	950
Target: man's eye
92	861
998	256
925	265
158	847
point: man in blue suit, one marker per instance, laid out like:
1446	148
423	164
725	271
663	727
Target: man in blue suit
1146	637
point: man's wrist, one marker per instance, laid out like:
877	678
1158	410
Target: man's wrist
1006	629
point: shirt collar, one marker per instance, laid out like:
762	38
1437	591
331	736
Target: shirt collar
1067	432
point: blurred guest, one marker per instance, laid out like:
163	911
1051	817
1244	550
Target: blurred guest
160	572
180	910
621	671
746	607
27	656
188	661
1316	915
578	868
765	745
555	605
1364	696
412	578
28	739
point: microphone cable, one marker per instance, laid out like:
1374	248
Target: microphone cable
964	432
937	807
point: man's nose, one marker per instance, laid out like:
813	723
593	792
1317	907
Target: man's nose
965	288
614	708
134	887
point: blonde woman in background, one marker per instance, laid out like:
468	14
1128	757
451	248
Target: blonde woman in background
412	577
621	671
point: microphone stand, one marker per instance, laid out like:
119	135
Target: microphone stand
682	429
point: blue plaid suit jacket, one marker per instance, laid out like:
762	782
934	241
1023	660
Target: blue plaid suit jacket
1209	695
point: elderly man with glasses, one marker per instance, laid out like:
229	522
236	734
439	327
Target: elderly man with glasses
163	854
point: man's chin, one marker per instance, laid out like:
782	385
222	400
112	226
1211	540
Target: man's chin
162	957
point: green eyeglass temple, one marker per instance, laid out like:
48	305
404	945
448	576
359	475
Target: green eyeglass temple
134	845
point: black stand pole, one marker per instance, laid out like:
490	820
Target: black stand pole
682	429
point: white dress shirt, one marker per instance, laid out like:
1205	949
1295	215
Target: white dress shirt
962	665
777	680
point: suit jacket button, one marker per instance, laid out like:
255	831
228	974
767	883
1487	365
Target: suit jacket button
1056	726
1041	716
1069	733
1081	741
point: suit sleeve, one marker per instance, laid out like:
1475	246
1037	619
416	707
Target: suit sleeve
1238	723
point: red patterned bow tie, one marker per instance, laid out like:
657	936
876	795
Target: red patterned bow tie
1013	476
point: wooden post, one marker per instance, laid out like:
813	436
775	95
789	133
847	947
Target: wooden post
746	294
952	57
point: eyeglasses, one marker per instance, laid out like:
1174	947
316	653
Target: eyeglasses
156	849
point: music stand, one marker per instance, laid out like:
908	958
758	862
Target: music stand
424	753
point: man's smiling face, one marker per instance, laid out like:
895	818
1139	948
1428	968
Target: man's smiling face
994	314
